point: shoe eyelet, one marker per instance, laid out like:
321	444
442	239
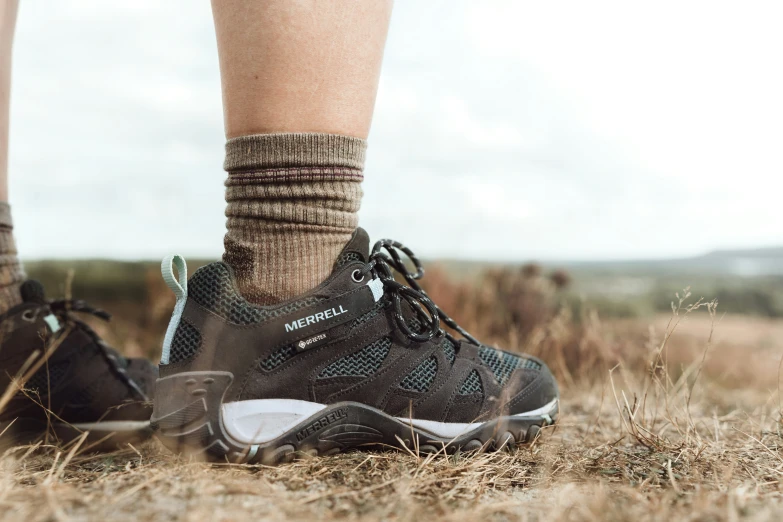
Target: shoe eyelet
354	274
29	315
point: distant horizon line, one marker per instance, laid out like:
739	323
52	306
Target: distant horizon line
727	252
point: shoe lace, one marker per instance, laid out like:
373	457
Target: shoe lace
385	259
116	362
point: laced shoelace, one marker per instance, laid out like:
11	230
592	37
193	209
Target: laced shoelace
385	259
65	308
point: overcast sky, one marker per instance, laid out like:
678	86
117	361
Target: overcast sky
505	130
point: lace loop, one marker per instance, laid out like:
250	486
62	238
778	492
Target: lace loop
385	259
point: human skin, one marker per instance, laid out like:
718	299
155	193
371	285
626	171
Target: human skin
300	66
8	10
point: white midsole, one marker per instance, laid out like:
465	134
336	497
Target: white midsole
112	425
455	429
262	420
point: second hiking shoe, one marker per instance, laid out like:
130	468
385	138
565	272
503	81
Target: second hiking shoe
82	385
361	360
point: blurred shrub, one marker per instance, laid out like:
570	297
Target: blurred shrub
523	309
761	296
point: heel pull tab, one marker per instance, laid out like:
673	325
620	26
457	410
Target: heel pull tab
178	285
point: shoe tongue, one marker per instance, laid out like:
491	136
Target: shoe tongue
357	249
32	292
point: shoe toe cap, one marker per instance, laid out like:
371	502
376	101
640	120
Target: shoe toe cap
531	389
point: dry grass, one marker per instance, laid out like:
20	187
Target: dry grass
679	420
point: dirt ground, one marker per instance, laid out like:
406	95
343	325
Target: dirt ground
690	433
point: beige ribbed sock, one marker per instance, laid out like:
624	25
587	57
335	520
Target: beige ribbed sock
11	273
292	203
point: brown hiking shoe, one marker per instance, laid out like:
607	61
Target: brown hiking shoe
81	384
360	360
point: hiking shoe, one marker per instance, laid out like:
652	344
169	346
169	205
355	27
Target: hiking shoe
81	385
360	360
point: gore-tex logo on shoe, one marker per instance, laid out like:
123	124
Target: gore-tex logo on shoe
315	318
312	342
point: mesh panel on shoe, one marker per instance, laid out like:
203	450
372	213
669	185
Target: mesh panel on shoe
448	349
414	324
471	384
278	357
85	396
42	382
347	257
503	363
363	363
186	342
211	287
420	379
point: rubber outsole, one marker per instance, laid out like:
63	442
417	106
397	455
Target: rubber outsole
187	419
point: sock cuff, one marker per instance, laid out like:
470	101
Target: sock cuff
5	215
273	151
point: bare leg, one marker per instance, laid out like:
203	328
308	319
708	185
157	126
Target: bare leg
299	85
300	66
8	11
11	274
